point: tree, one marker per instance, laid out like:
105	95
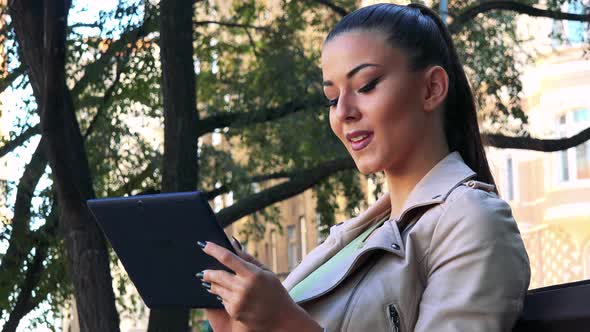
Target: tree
256	84
43	48
180	166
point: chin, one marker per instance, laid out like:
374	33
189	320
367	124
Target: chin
367	168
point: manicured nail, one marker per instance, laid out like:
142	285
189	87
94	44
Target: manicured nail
206	285
201	244
200	275
237	242
219	298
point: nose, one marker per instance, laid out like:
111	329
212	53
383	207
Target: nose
346	109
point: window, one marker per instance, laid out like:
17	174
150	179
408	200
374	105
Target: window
292	247
574	164
582	115
218	203
575	30
569	32
509	179
218	200
216	138
303	228
321	229
267	253
273	248
586	256
564	173
583	161
229	199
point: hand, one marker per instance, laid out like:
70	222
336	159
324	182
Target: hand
253	296
219	318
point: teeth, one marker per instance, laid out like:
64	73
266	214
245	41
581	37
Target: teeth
359	138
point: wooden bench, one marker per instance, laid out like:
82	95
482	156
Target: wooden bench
563	308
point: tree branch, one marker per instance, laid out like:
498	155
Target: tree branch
231	24
19	244
242	119
135	182
299	183
16	73
536	144
224	189
337	9
93	70
25	302
108	95
19	140
520	8
85	25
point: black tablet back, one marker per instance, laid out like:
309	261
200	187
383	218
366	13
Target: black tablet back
155	237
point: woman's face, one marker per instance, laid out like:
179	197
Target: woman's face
377	102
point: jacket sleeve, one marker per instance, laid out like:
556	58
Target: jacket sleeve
476	268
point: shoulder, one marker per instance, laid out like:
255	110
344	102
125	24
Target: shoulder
477	232
475	243
476	214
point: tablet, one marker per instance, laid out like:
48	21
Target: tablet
155	237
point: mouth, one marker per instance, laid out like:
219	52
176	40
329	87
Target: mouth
359	139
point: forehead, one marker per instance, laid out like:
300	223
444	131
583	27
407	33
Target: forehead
349	49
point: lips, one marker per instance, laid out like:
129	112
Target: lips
359	139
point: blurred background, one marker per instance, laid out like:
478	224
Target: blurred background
112	98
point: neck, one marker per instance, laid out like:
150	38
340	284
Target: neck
402	179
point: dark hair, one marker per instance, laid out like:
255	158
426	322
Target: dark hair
420	33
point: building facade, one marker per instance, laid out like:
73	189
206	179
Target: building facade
549	192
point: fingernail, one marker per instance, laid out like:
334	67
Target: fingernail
200	275
237	242
206	285
219	298
201	244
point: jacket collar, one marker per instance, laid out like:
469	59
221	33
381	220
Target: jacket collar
433	188
437	184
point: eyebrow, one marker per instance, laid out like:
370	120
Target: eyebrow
353	72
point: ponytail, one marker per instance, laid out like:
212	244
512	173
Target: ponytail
460	118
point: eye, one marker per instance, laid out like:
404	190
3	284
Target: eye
370	86
332	102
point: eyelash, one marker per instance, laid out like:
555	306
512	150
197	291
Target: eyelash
366	88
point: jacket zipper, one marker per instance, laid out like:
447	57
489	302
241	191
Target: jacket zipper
394	319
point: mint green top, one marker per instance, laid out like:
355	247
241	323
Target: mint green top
332	263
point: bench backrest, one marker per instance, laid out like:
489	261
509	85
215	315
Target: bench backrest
563	308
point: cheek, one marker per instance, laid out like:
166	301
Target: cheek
397	109
335	125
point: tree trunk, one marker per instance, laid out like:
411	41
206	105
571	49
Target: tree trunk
180	165
41	32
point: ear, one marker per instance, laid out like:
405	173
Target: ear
437	87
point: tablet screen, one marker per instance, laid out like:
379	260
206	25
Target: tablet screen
155	237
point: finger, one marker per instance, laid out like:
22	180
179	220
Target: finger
226	294
227	258
249	258
220	277
244	255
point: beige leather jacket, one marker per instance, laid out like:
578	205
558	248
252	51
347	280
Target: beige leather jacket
459	265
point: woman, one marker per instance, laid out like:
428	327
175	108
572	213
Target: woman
441	251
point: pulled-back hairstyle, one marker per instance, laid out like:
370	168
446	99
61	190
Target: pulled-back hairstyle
424	38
